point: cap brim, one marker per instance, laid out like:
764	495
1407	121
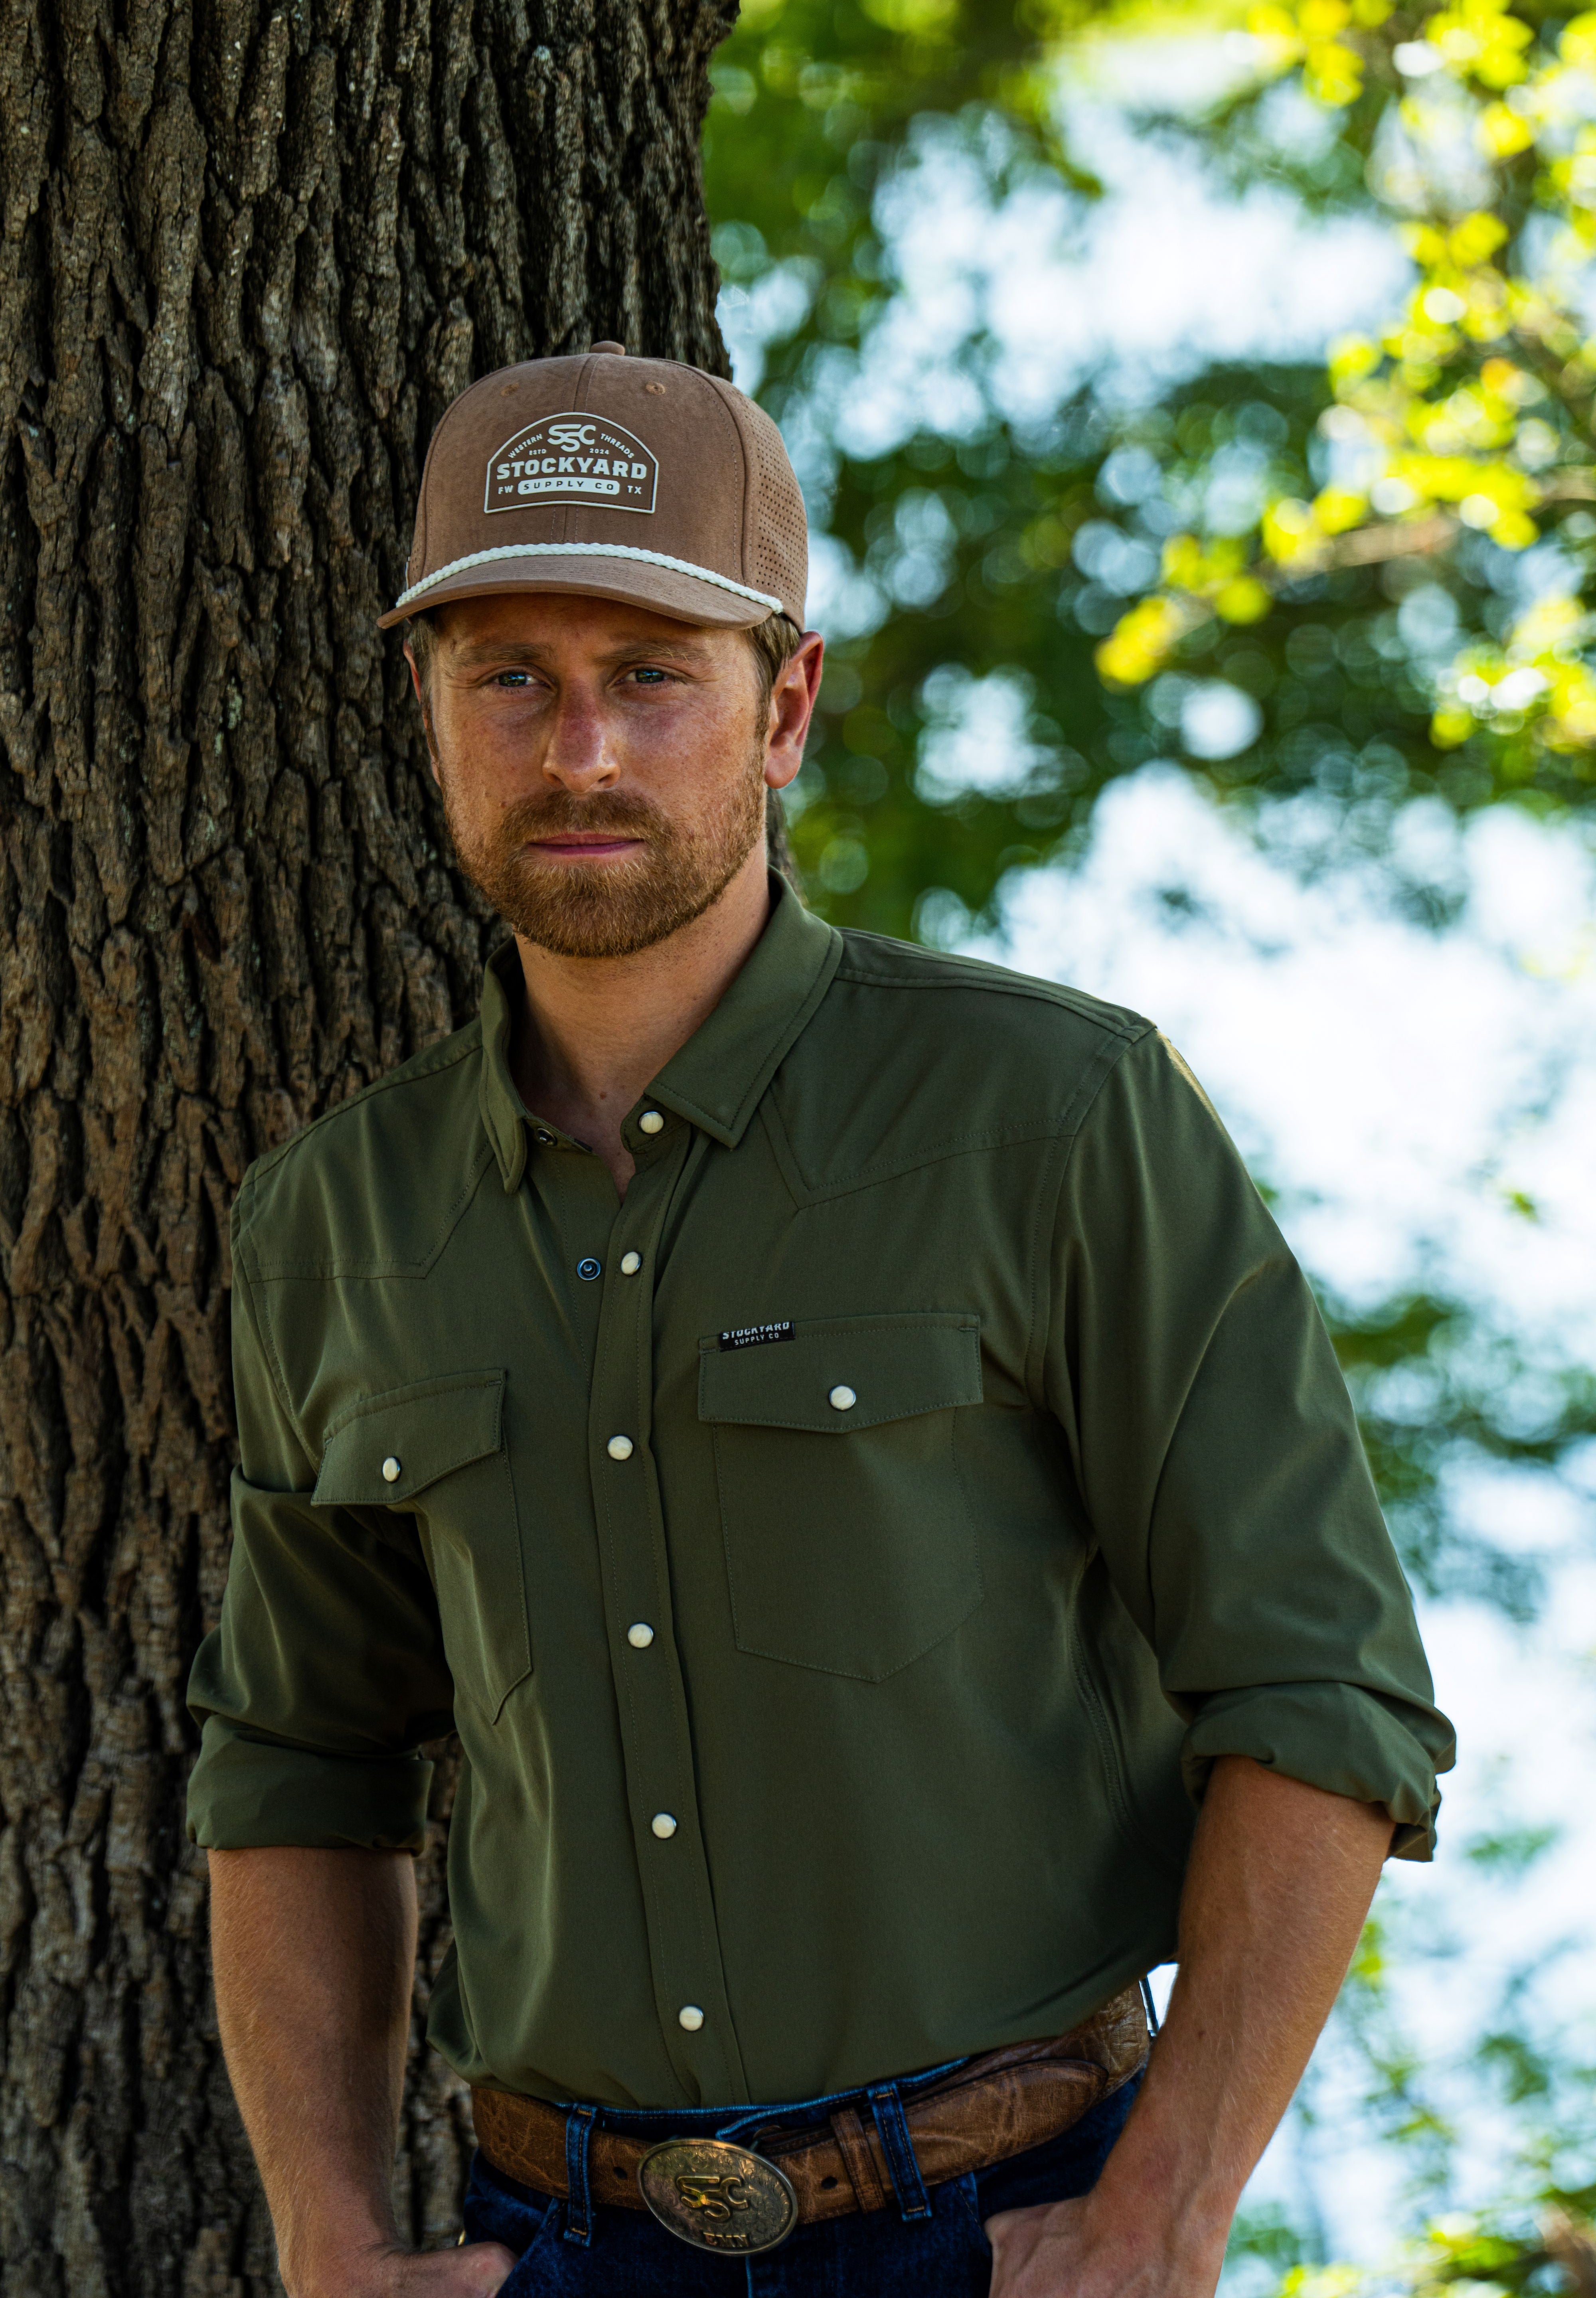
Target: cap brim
661	590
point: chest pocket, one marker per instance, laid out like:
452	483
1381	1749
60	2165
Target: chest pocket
850	1542
436	1450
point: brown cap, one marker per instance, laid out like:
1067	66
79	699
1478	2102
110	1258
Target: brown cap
613	478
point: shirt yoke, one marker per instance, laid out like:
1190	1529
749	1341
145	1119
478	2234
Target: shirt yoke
375	1186
888	964
885	1080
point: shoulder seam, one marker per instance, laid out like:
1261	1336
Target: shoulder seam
276	1374
264	1163
1081	1003
1086	1096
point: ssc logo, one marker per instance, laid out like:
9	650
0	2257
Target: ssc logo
571	458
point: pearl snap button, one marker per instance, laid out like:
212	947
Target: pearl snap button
544	1140
690	2017
842	1398
589	1269
662	1825
650	1122
619	1447
391	1470
640	1635
631	1263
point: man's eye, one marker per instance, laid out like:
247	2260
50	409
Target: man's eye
512	677
647	675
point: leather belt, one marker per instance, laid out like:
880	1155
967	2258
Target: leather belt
990	2108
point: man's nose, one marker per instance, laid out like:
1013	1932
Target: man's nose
578	755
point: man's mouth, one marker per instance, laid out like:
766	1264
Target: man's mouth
583	844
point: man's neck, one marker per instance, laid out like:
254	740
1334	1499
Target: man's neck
594	1031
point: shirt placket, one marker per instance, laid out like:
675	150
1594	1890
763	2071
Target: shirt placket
689	1979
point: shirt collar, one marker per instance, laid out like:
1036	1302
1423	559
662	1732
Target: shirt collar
716	1080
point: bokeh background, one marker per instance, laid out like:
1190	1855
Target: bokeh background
1194	406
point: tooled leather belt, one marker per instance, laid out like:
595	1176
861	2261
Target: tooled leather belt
746	2197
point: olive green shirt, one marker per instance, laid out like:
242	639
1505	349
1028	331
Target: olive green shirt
841	1559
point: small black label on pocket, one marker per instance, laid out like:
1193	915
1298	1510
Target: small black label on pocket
755	1337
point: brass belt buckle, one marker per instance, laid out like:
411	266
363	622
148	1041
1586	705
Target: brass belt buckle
717	2196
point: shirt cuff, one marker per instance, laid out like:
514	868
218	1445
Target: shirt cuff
244	1794
1336	1736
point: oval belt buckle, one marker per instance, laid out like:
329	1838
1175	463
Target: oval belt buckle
717	2196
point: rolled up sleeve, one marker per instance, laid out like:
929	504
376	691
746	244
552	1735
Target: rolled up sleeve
324	1673
1216	1450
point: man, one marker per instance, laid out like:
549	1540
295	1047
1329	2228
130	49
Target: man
836	1433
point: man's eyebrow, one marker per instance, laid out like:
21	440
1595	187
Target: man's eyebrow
528	651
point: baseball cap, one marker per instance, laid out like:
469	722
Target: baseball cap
638	479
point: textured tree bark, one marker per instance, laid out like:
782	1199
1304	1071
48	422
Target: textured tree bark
248	253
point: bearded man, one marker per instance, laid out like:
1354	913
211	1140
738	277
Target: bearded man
835	1432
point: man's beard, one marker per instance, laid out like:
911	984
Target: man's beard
609	909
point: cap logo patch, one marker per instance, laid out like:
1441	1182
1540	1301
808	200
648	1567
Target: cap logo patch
571	458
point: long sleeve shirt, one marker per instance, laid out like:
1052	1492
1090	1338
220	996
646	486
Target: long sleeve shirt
841	1559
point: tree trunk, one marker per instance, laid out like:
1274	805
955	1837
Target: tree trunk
250	252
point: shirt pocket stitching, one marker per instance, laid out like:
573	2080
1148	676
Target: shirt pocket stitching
797	1596
940	1634
488	1668
371	1489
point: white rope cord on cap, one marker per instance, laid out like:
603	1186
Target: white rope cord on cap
587	551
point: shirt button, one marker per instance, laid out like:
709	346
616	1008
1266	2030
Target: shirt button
391	1471
631	1263
651	1121
842	1398
544	1140
619	1447
690	2017
662	1825
640	1635
589	1269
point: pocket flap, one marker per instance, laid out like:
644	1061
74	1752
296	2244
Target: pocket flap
892	1367
429	1429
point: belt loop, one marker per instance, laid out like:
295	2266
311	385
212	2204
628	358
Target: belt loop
898	2148
857	2159
579	2205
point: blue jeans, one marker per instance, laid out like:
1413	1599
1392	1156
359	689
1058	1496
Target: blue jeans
878	2254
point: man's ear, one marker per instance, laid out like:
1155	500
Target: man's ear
793	696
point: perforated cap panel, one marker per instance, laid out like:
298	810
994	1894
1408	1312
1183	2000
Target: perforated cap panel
780	542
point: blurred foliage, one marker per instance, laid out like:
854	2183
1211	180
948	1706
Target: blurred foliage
818	102
1469	414
1537	2239
1437	1395
1364	582
1536	2249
